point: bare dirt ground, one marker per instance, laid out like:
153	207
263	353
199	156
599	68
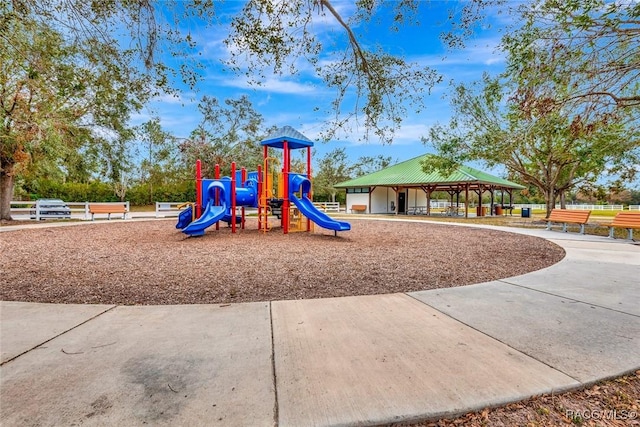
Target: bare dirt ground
150	262
132	262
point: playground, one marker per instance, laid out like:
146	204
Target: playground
218	199
151	263
216	254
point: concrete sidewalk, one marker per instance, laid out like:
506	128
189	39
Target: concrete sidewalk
342	361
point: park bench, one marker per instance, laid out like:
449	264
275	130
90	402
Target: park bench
627	220
97	208
565	217
358	208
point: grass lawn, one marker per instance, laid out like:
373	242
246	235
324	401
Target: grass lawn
143	208
595	226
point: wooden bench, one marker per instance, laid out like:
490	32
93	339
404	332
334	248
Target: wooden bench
565	217
627	220
358	208
96	208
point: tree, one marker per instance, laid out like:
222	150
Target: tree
368	164
147	28
333	168
271	37
546	147
159	152
110	52
593	46
564	114
56	98
227	133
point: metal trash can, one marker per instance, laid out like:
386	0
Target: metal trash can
526	212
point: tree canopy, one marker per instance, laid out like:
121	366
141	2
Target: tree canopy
73	71
564	114
589	46
229	131
57	99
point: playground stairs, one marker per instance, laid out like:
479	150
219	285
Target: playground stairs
297	221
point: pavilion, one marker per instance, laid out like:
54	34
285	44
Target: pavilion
406	188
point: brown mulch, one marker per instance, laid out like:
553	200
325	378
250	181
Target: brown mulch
150	262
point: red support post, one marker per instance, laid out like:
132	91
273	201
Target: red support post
260	190
311	187
243	176
233	197
198	188
217	176
285	190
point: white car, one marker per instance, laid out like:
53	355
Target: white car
51	208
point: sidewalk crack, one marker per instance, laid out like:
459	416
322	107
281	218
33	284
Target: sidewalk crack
58	335
276	414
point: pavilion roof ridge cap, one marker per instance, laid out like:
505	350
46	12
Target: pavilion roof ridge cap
468	174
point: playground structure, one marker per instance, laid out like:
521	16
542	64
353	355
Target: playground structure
218	198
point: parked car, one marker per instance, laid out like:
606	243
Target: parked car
51	208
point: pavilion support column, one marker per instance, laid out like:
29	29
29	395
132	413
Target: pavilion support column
480	193
370	191
466	201
491	190
427	190
397	190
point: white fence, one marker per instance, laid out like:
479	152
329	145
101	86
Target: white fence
634	207
38	210
167	209
576	207
327	206
170	209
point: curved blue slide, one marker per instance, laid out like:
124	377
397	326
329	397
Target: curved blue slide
184	218
308	209
211	214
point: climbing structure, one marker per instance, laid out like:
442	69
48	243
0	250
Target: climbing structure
218	198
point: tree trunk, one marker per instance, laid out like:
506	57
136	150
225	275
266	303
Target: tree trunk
563	200
6	191
550	200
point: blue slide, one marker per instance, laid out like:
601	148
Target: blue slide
308	209
211	214
184	218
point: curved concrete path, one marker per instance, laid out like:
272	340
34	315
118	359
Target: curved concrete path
365	360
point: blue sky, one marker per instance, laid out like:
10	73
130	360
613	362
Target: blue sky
289	100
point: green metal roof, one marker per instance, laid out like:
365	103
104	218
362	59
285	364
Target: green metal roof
409	173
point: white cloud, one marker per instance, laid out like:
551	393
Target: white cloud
482	52
272	85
